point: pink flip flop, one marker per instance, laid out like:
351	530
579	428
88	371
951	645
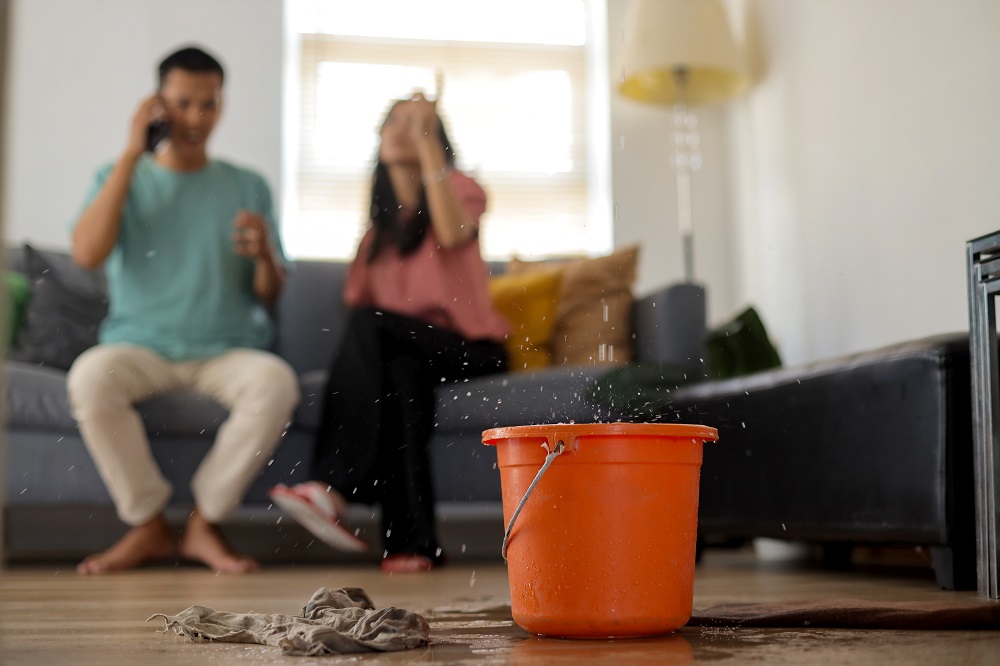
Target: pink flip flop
406	563
311	506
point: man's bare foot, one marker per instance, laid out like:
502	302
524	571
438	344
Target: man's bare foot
144	543
202	542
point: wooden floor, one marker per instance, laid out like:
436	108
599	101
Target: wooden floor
49	615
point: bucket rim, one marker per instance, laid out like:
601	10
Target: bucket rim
493	436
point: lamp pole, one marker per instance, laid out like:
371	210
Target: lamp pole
687	158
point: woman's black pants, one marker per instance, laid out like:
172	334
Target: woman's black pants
378	417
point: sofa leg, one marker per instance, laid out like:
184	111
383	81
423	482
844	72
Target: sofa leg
954	568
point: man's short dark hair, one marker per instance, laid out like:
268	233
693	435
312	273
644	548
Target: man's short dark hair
190	59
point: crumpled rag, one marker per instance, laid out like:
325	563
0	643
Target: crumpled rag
333	622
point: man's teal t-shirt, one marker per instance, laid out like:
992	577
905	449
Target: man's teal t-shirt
175	284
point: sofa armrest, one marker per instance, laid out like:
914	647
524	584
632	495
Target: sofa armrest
669	326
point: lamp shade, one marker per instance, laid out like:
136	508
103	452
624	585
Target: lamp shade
663	37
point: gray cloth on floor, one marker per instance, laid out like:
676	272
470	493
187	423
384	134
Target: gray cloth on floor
333	622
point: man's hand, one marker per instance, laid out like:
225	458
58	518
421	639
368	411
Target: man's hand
252	240
149	110
250	236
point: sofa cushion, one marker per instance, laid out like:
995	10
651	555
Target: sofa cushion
593	316
37	400
36	397
528	302
311	314
552	395
309	410
64	313
18	293
182	413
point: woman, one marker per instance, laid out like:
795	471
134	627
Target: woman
421	315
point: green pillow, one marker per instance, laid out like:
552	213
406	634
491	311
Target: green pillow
740	347
637	391
18	294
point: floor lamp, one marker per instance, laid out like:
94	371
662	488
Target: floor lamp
681	53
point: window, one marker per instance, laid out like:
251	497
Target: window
513	96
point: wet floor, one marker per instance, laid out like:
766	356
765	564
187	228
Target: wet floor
49	615
485	634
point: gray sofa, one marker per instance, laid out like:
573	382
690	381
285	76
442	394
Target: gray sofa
57	508
868	448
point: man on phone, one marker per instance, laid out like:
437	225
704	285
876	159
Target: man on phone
192	257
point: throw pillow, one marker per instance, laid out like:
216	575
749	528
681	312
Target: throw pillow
638	392
18	292
740	347
529	303
594	314
65	311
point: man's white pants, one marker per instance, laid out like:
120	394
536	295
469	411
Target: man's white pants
259	389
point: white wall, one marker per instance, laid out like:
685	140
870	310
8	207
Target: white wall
78	69
862	161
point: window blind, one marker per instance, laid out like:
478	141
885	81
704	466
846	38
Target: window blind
515	113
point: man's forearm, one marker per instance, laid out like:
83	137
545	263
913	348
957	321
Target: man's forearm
268	278
96	232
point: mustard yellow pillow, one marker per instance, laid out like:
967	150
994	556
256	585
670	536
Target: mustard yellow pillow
593	314
529	304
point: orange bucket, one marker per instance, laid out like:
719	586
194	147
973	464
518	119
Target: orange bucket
604	544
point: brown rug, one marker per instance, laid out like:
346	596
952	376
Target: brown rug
854	614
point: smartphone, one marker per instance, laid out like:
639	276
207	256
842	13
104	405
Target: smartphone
157	131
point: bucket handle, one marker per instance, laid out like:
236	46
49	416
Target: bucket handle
549	459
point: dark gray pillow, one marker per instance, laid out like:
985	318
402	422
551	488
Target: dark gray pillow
65	312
